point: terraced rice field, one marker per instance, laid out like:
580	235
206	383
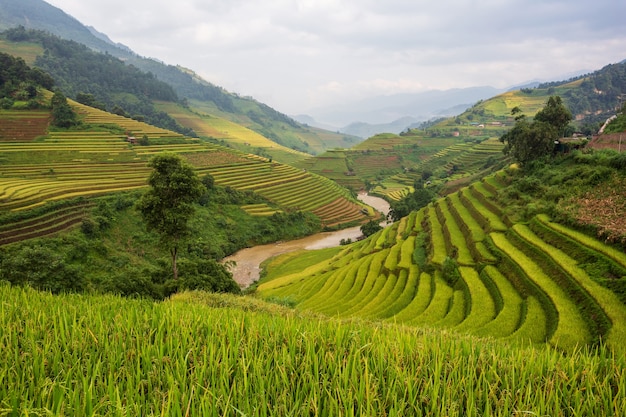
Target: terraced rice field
47	224
61	165
460	160
23	125
525	282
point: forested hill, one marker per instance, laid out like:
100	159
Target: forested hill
201	94
100	80
592	98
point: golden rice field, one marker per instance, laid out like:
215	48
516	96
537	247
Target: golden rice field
59	165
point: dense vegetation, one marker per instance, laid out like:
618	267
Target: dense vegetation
528	141
200	354
598	94
19	82
111	251
618	124
80	72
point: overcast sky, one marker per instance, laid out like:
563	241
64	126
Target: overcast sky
295	55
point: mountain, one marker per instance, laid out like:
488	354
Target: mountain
200	94
366	130
387	109
591	98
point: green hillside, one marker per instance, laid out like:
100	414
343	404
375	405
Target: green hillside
504	257
592	99
204	96
100	158
388	165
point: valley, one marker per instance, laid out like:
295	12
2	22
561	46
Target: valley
474	265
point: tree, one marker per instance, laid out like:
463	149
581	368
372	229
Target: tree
421	197
555	113
527	141
168	205
370	228
62	113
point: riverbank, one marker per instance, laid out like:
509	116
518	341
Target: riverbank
247	268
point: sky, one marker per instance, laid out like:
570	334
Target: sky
298	55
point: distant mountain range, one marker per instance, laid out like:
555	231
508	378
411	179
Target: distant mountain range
398	112
199	93
362	119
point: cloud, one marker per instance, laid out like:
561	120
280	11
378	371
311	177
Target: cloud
300	54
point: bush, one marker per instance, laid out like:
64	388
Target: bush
206	275
450	271
370	228
40	267
6	103
132	282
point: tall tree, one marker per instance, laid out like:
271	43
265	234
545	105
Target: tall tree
555	113
168	205
527	141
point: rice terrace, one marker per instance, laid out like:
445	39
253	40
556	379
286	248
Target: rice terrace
495	286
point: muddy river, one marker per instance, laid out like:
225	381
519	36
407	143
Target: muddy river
247	261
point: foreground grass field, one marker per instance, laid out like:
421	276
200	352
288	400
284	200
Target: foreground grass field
213	355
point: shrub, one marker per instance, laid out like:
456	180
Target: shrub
206	275
450	271
40	267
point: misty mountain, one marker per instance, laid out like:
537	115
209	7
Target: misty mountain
39	15
365	130
389	108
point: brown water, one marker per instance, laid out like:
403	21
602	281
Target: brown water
247	261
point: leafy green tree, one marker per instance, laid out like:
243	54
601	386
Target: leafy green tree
168	205
370	228
527	141
421	197
555	113
40	267
62	114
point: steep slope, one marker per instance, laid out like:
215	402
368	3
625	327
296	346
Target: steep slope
473	263
591	98
211	99
105	158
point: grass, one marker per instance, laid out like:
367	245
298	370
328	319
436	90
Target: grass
482	309
586	240
217	355
455	235
439	251
412	303
508	318
439	296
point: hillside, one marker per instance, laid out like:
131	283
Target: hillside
52	164
208	98
388	165
592	98
504	257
